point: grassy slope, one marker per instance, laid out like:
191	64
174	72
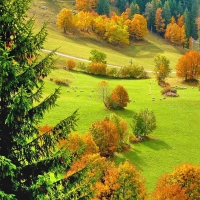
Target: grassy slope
176	136
175	140
141	53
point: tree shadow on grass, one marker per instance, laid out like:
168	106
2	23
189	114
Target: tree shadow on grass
156	144
133	156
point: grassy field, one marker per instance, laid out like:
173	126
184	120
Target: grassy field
175	140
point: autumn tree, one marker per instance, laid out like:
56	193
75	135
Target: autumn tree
143	123
132	184
188	66
182	183
116	34
122	129
162	68
97	68
175	33
122	182
86	152
85	5
159	21
28	159
107	186
70	64
119	98
137	27
65	20
84	21
99	25
105	135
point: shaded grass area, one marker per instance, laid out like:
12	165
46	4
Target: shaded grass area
175	140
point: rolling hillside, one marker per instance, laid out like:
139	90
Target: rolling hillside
173	138
142	53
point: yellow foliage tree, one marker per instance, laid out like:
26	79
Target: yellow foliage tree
65	20
106	136
116	34
84	21
85	5
137	27
123	182
99	25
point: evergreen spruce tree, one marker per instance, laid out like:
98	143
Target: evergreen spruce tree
167	13
121	5
30	161
180	8
103	7
134	9
187	22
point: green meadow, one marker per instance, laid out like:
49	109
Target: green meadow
176	139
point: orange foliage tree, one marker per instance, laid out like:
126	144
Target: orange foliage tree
87	161
123	182
182	183
65	20
188	66
175	32
119	98
159	21
137	27
70	64
122	129
98	62
97	68
85	5
107	186
105	135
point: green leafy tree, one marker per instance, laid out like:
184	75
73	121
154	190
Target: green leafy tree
143	123
162	68
28	159
98	56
